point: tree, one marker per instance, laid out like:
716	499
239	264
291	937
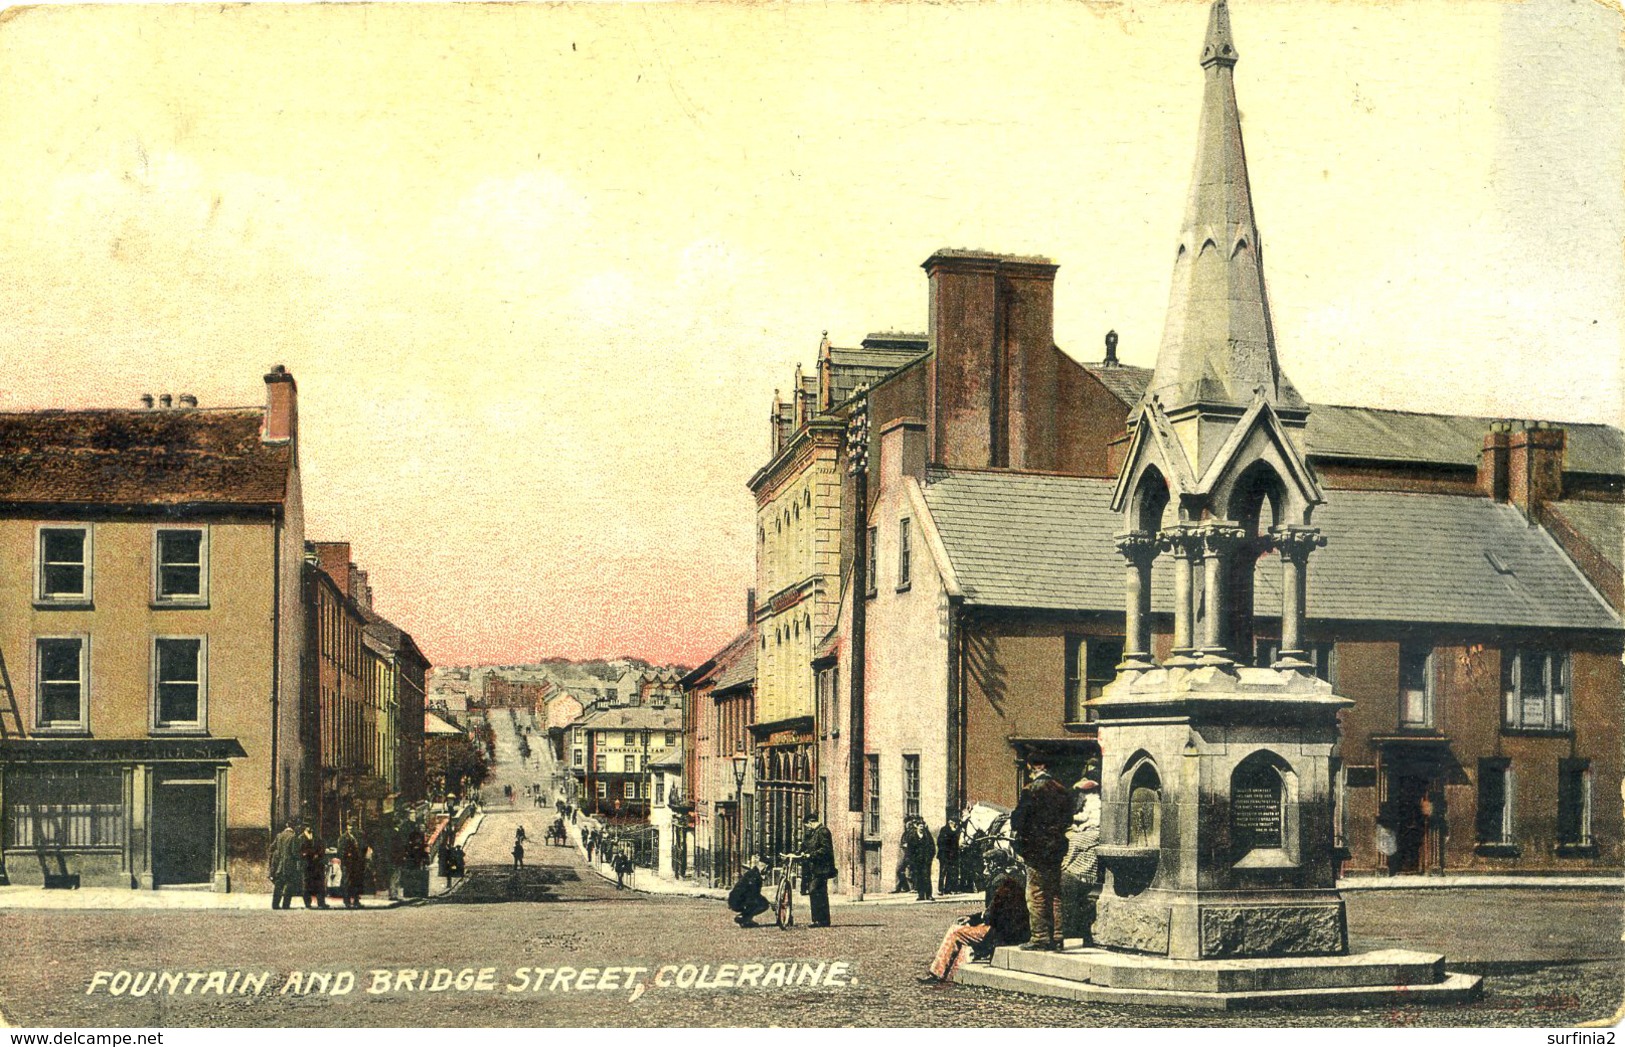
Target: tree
459	762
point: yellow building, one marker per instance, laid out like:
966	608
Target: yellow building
150	623
798	564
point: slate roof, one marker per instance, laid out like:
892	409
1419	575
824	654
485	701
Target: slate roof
163	457
736	664
1124	382
1339	431
633	718
880	355
1044	542
1602	524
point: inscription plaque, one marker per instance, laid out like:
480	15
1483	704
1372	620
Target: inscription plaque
1255	816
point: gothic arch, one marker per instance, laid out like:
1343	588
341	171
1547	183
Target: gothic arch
1149	501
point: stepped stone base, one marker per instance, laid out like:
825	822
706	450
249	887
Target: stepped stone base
1101	976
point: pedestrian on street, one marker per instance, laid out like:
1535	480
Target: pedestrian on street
353	864
313	852
586	842
746	899
948	858
519	852
817	867
1040	821
519	834
622	864
921	853
1080	869
1002	921
286	870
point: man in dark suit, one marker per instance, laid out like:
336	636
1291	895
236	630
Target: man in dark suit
746	897
817	867
313	852
948	858
285	869
1040	821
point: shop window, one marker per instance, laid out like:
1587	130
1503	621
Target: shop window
1574	806
603	790
77	808
61	683
1415	686
181	566
1495	808
1535	690
179	688
64	565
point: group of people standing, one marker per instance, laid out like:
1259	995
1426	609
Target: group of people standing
299	862
918	851
1057	835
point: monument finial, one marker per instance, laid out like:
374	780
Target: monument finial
1219	47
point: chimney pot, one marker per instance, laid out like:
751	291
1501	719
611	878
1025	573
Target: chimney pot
1111	348
188	401
165	401
146	401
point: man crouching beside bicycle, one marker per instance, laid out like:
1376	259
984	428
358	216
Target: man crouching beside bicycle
746	898
1002	921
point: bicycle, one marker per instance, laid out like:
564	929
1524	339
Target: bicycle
784	911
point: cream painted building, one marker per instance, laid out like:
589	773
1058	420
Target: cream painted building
150	622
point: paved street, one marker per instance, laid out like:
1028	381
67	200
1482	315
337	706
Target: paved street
1549	960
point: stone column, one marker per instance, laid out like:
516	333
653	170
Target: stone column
1294	544
1219	542
222	856
1140	549
1185	545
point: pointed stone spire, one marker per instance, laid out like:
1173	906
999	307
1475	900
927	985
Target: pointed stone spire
1218	344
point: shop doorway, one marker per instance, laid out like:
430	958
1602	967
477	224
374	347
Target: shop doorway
183	824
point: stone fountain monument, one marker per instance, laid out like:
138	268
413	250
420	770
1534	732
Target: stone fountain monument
1216	777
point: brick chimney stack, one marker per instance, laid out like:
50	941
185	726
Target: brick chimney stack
334	560
1492	462
993	373
1535	467
281	407
750	608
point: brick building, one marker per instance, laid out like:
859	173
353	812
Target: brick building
1467	597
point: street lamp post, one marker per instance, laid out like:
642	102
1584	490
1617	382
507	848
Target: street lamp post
739	763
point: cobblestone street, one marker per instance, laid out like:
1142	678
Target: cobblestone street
1549	960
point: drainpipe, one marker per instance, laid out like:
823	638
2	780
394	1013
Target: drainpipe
276	659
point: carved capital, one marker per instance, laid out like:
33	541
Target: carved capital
1296	543
1221	539
1183	541
1138	547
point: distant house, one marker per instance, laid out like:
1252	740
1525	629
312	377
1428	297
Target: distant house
617	744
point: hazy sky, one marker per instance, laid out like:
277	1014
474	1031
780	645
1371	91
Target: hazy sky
538	270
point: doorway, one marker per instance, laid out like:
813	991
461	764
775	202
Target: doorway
183	824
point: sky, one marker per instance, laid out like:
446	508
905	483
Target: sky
538	270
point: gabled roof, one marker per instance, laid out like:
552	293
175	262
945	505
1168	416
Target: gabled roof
1045	543
633	718
879	356
434	725
1601	524
161	457
1380	434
